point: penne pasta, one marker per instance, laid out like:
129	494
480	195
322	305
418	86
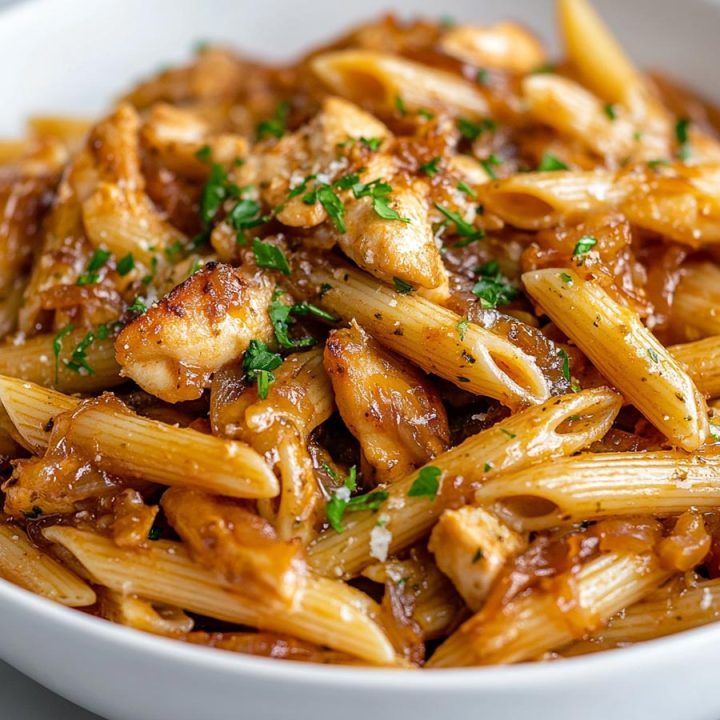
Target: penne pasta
161	453
33	359
164	573
404	354
505	46
533	624
379	80
625	352
702	360
663	613
23	564
428	334
596	485
510	444
696	300
543	199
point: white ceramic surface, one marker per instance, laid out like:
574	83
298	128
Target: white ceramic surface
72	56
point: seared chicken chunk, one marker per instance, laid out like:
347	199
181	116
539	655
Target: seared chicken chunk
205	322
390	407
471	546
226	537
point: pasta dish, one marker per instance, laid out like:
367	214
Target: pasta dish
405	354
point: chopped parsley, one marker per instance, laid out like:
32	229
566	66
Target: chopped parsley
270	256
204	154
611	111
462	227
214	192
543	69
658	163
125	265
244	215
472	130
275	126
489	165
425	113
258	363
462	327
427	483
509	434
340	503
431	168
280	317
138	305
653	355
477	556
566	278
155	533
584	245
379	191
57	346
97	261
404	288
462	186
487	467
400	106
565	363
549	163
482	77
681	135
372	143
35	512
333	205
78	361
493	288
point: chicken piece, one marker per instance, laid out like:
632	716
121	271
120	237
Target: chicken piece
240	546
471	546
207	321
388	405
390	249
299	399
118	214
132	518
314	149
175	135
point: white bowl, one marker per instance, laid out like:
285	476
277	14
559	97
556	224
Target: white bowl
73	56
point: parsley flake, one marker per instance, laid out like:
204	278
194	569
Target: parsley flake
258	363
404	288
57	346
549	163
275	126
489	165
462	327
427	483
584	245
565	363
431	168
462	227
493	288
125	265
270	256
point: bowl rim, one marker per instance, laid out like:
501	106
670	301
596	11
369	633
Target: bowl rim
499	678
477	679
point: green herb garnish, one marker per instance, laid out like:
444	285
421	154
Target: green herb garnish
549	163
427	483
258	363
275	126
584	245
493	288
270	257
